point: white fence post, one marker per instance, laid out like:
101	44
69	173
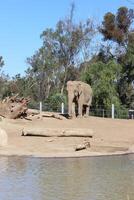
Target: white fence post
112	111
40	107
62	108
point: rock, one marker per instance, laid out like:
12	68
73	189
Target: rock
51	140
3	138
87	144
82	146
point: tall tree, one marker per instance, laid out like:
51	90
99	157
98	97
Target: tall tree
103	78
126	84
43	71
67	41
117	27
4	81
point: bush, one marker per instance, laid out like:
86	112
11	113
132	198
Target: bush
54	102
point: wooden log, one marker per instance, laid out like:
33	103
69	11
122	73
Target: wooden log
53	115
33	112
47	132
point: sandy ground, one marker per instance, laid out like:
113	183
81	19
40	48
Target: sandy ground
109	137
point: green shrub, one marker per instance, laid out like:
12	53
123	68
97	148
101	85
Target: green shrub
54	102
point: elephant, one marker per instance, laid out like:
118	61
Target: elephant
79	98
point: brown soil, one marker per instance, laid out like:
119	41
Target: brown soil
109	137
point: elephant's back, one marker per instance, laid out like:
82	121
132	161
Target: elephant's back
87	94
88	89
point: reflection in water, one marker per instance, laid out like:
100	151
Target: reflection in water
98	178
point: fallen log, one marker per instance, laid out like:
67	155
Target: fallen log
32	112
53	115
47	132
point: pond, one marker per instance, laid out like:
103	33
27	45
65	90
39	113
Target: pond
94	178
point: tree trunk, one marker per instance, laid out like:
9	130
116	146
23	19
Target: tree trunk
64	81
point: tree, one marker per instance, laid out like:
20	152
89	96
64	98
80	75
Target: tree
4	81
43	71
1	62
17	85
126	84
117	27
66	42
103	78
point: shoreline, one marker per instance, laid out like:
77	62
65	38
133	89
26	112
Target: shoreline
4	151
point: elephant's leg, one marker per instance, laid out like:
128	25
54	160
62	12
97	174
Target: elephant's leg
69	111
80	108
73	110
70	107
87	111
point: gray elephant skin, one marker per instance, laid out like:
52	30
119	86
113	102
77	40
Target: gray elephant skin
79	98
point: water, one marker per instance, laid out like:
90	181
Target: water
98	178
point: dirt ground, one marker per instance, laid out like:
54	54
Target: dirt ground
109	137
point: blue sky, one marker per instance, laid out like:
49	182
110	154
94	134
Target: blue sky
22	22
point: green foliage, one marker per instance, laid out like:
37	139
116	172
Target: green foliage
4	81
43	72
116	27
5	86
121	112
55	101
126	84
103	78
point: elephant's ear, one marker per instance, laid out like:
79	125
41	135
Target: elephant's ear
80	88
